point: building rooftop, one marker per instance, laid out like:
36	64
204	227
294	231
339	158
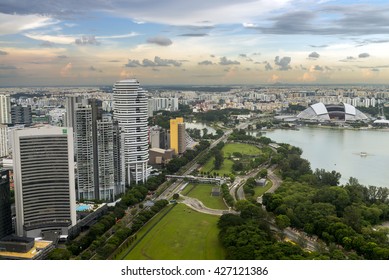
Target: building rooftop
34	253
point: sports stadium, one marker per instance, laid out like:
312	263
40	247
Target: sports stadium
321	112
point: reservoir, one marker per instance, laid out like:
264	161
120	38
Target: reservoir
362	154
200	126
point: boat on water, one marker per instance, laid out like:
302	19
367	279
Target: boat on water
363	154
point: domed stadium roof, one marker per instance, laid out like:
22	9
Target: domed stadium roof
320	112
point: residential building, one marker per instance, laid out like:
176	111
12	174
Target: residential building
44	180
5	205
130	111
21	114
3	141
177	135
5	109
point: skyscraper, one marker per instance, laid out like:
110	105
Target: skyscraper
177	135
3	140
44	180
21	115
5	109
130	111
5	205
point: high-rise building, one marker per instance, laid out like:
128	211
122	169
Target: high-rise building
44	180
155	137
5	205
177	135
5	109
98	153
130	111
105	156
3	140
21	115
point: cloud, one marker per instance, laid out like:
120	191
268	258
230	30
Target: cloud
225	61
268	67
308	77
122	36
46	44
57	39
87	40
132	63
157	62
363	55
318	46
16	23
62	56
243	55
283	63
66	70
303	68
160	41
313	55
114	60
257	53
375	70
7	67
212	55
205	62
318	68
94	69
193	35
3	52
348	59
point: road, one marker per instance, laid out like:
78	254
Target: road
197	205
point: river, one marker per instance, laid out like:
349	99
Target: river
340	150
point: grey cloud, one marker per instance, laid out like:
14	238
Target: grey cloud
7	67
114	60
155	69
318	68
318	46
148	63
313	55
268	67
160	41
46	44
328	68
348	59
212	55
303	68
257	53
375	70
363	55
370	41
156	63
225	61
62	56
205	62
243	55
87	40
283	63
3	52
132	63
193	35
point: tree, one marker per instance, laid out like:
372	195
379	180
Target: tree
263	173
219	158
282	221
176	196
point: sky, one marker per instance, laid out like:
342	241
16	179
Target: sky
202	42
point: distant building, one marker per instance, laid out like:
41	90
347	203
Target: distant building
343	112
177	135
44	180
162	104
5	204
21	115
160	156
5	109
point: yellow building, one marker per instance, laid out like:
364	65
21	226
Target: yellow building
177	135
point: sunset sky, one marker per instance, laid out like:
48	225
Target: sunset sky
202	42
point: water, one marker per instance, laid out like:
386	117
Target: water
201	126
340	150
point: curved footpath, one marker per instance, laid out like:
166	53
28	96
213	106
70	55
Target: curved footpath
197	205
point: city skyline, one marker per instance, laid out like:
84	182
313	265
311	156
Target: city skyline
186	42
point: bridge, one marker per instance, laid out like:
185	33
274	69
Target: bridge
219	181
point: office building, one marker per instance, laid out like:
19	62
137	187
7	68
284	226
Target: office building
5	109
177	135
130	111
3	140
5	205
21	115
44	180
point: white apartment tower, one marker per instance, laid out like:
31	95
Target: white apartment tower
130	111
44	180
5	109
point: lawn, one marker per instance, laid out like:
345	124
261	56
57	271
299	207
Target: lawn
183	234
228	150
203	193
261	190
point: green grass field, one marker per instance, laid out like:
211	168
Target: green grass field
183	234
261	190
228	150
203	193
